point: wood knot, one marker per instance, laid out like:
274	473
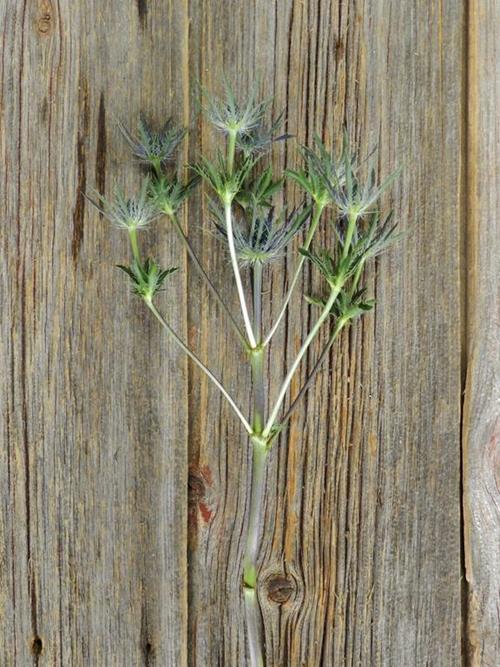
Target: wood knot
198	481
281	588
44	24
36	645
196	487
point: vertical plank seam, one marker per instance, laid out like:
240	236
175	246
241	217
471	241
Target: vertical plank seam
186	105
468	179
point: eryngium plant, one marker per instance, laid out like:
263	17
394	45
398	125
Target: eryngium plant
246	218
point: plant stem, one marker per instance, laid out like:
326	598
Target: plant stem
334	335
310	234
253	616
284	387
203	273
231	150
259	456
351	226
132	233
237	276
339	325
257	299
199	363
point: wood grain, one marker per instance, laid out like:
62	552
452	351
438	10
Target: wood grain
123	510
481	420
93	457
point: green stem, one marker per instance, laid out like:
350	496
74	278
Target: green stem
253	615
257	490
203	274
339	325
351	226
132	233
231	150
333	337
284	387
156	164
310	234
257	300
199	363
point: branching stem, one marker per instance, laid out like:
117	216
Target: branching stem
199	363
204	275
310	234
237	276
333	337
312	334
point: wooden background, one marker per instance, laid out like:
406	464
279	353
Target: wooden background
123	477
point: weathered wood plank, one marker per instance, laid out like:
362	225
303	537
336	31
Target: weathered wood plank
481	421
93	455
363	521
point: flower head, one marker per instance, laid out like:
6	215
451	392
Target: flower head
229	115
341	181
151	147
321	176
260	138
374	238
265	236
135	212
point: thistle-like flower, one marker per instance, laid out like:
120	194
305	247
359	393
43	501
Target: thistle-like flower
148	278
342	182
167	195
321	175
152	147
377	237
265	237
135	212
259	139
229	116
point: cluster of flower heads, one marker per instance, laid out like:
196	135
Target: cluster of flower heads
260	233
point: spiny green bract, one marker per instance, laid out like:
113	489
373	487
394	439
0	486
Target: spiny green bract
168	194
375	239
335	271
124	212
347	306
341	180
155	148
259	192
224	183
148	278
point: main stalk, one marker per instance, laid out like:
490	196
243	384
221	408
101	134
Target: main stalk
259	459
